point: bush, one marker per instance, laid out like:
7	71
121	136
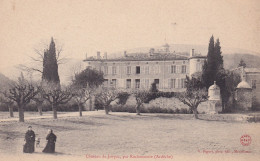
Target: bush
153	109
122	98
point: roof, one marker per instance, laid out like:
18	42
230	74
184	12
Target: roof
252	70
214	86
144	57
243	84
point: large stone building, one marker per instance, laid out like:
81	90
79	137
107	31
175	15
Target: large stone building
139	70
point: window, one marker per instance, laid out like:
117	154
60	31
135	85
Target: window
199	67
147	83
147	70
128	83
156	69
137	69
178	69
114	70
128	70
253	84
157	81
183	69
182	83
173	69
172	83
105	83
105	70
113	83
137	83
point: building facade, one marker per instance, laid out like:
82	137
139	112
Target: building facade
139	70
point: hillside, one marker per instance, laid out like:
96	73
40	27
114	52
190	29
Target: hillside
5	82
232	60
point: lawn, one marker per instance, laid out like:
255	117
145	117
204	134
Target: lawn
125	134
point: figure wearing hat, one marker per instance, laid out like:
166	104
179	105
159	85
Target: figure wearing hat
30	140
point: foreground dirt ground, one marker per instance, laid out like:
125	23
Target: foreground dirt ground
125	136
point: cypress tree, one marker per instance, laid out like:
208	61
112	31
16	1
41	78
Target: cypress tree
50	65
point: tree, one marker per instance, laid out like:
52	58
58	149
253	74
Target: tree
141	97
213	70
46	62
81	96
242	63
56	96
50	65
105	96
84	84
9	103
122	98
231	81
39	99
21	93
194	95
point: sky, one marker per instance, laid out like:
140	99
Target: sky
87	26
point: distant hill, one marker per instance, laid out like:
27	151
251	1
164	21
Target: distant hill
231	61
5	82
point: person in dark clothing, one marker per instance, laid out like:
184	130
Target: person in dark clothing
50	147
29	139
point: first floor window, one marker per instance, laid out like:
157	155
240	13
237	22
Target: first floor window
113	83
253	84
137	83
128	83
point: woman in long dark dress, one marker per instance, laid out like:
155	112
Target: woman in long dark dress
29	139
50	147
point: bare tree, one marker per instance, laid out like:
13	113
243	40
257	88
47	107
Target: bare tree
39	99
21	93
194	95
9	103
56	96
81	96
107	95
141	96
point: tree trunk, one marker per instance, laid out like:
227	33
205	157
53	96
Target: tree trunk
107	110
54	109
39	109
90	104
21	113
80	109
195	112
11	111
137	109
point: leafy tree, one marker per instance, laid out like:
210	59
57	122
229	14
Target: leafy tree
154	87
84	85
232	80
194	94
21	93
242	63
213	70
55	96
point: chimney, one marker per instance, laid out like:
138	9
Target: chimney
86	56
192	53
125	55
105	55
151	52
98	55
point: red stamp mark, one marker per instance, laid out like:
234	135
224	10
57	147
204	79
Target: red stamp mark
245	140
